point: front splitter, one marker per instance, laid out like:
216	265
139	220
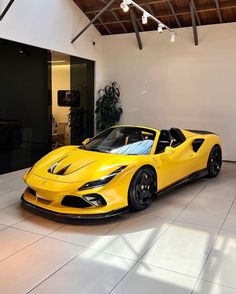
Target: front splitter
65	217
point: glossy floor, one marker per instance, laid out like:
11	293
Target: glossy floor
185	242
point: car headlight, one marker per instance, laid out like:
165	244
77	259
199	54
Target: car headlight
102	181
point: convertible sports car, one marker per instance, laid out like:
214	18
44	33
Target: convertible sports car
122	167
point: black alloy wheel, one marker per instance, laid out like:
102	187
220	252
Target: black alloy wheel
142	189
214	162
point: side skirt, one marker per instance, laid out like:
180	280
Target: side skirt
196	175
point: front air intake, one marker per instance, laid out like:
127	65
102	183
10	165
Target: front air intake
74	201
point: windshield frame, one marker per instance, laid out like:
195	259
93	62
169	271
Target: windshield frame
143	129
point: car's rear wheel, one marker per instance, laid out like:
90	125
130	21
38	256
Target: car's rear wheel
142	189
214	162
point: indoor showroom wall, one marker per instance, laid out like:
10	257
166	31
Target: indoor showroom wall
51	24
177	84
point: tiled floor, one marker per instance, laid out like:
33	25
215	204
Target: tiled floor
185	242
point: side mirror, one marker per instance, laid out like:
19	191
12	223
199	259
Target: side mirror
86	141
169	150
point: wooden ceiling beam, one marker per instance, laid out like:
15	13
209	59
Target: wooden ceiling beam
116	17
150	9
196	12
135	26
105	26
6	9
201	9
144	3
179	13
174	14
139	22
193	18
93	21
218	11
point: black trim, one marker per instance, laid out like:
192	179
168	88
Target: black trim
194	176
72	218
201	132
64	217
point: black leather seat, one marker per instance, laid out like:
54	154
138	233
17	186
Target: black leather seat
163	141
177	137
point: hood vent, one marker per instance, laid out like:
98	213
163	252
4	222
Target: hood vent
61	171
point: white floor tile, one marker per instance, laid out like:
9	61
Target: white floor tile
2	227
10	198
148	279
38	225
219	190
91	272
182	248
12	176
206	211
177	255
171	204
187	192
13	214
233	208
83	234
221	264
12	185
166	208
13	240
204	287
230	222
2	180
132	237
27	268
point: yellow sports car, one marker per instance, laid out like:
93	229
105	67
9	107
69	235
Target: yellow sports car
122	167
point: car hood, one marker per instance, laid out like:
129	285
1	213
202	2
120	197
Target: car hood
72	164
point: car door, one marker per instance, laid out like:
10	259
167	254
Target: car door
174	164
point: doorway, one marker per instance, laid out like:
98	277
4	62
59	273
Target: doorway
46	101
72	86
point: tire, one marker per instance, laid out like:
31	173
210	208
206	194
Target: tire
214	162
142	189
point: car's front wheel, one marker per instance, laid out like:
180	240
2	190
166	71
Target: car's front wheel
214	162
142	189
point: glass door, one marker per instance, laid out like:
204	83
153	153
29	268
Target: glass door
72	80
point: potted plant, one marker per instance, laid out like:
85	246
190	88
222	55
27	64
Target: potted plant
108	107
76	118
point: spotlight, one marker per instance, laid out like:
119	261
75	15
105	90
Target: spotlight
145	18
172	37
160	28
124	5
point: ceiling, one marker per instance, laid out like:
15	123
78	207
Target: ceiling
173	13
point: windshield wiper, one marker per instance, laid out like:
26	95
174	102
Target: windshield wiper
83	147
97	150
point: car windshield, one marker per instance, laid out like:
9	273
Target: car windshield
123	140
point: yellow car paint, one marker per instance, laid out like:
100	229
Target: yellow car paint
170	166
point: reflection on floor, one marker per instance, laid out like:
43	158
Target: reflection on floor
185	242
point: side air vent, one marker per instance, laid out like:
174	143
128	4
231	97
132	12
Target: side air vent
197	144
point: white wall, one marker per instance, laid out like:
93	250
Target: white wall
177	84
163	85
51	24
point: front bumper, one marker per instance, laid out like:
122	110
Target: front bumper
65	217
